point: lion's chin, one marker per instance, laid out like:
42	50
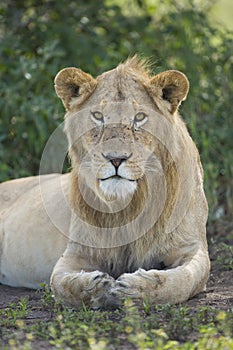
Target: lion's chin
117	188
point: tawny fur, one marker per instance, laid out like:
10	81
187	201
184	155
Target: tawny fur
164	259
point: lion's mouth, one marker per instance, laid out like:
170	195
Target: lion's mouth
116	178
116	187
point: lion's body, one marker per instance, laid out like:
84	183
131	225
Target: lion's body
136	211
28	251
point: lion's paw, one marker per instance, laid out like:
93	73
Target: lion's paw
138	285
100	289
106	301
99	280
91	288
125	287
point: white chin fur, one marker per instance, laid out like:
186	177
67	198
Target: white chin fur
117	188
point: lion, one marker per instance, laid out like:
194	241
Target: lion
129	220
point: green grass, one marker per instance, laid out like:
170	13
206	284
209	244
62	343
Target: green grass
133	327
13	313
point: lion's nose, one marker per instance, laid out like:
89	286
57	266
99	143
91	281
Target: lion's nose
116	161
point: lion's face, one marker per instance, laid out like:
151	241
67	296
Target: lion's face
110	123
112	148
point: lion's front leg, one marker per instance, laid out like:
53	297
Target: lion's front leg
74	282
174	285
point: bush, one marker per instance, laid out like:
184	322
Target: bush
37	40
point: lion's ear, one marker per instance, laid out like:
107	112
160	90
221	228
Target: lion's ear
171	86
72	84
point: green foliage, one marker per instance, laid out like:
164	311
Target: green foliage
10	315
47	297
164	327
38	39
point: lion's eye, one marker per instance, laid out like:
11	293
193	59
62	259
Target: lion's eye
98	116
140	118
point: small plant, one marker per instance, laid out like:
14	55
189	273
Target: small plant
47	296
14	312
146	305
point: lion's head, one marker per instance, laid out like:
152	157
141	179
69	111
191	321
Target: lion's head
111	123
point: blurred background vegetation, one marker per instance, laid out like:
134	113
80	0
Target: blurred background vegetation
38	38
